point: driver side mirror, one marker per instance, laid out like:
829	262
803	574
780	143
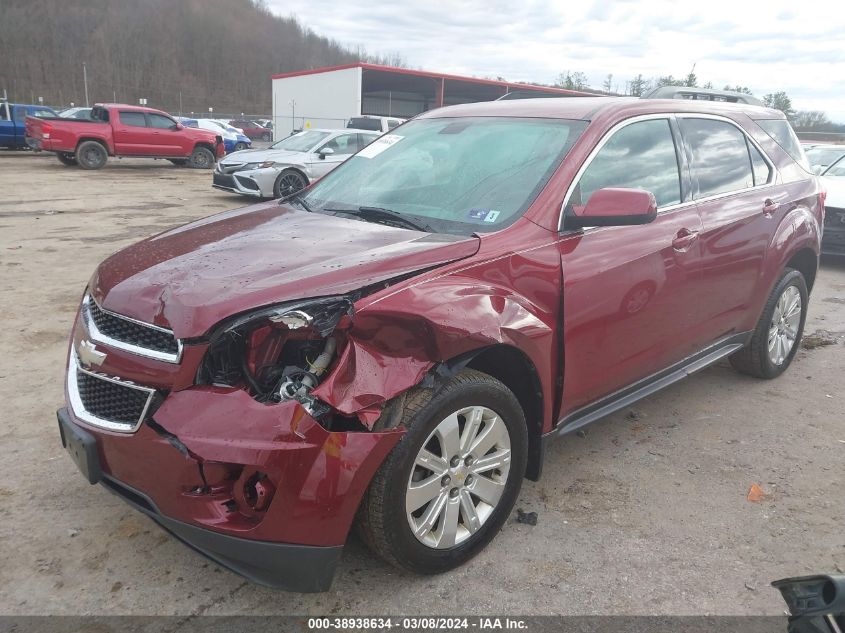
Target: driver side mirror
325	151
177	127
613	207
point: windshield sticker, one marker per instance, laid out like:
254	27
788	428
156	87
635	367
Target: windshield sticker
379	145
484	215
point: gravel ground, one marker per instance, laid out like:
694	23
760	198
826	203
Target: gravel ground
645	513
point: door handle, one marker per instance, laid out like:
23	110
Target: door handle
769	207
684	239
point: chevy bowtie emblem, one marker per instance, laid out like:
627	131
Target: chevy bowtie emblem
89	355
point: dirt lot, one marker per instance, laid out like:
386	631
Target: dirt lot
644	513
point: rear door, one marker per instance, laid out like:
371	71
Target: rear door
164	137
732	183
131	137
630	293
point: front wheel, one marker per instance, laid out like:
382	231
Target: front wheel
288	182
201	158
66	158
91	155
778	333
445	490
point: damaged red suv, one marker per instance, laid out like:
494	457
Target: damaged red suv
393	347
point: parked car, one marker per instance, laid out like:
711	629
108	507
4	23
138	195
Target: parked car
833	241
76	113
253	130
233	140
13	123
290	164
823	156
394	347
374	123
124	131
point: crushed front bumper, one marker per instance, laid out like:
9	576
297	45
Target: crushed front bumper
188	467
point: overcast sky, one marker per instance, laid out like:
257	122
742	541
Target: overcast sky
767	46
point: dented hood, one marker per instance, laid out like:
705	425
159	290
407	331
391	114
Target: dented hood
190	278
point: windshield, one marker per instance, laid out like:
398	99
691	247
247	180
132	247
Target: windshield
837	170
454	175
301	141
824	155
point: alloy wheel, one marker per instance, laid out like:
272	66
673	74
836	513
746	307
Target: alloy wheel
458	477
783	329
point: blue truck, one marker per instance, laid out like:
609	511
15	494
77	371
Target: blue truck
12	122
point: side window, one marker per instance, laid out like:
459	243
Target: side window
392	123
4	112
784	135
762	171
343	145
135	119
20	113
720	159
639	156
160	122
365	139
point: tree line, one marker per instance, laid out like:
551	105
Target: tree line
185	55
802	120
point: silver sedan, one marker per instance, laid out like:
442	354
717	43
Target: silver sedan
290	164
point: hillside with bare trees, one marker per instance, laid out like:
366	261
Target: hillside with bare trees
185	55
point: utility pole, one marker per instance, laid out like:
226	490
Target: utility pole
180	103
85	81
292	115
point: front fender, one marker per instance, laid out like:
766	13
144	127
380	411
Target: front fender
395	340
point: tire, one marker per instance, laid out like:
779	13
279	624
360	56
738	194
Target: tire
385	523
91	155
267	136
201	158
289	182
771	348
239	147
67	159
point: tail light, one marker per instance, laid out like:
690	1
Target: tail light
46	128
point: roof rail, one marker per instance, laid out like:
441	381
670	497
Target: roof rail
702	94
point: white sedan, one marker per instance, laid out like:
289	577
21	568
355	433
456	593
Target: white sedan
290	164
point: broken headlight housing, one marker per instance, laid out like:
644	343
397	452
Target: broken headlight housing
279	352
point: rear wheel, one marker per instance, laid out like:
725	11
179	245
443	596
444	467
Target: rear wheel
240	146
267	136
288	182
778	333
66	158
445	490
201	158
91	155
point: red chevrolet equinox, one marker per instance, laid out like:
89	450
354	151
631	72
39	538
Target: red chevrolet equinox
393	347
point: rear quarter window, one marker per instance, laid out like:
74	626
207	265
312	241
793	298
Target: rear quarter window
783	134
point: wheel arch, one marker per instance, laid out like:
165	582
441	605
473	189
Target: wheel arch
85	139
805	261
512	367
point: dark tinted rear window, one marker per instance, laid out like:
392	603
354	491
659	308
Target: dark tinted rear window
364	123
135	119
720	159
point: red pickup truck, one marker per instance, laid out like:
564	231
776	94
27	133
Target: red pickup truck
124	130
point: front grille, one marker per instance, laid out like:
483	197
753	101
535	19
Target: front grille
107	402
222	180
125	333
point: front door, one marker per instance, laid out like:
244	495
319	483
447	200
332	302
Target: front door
630	293
164	135
342	147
